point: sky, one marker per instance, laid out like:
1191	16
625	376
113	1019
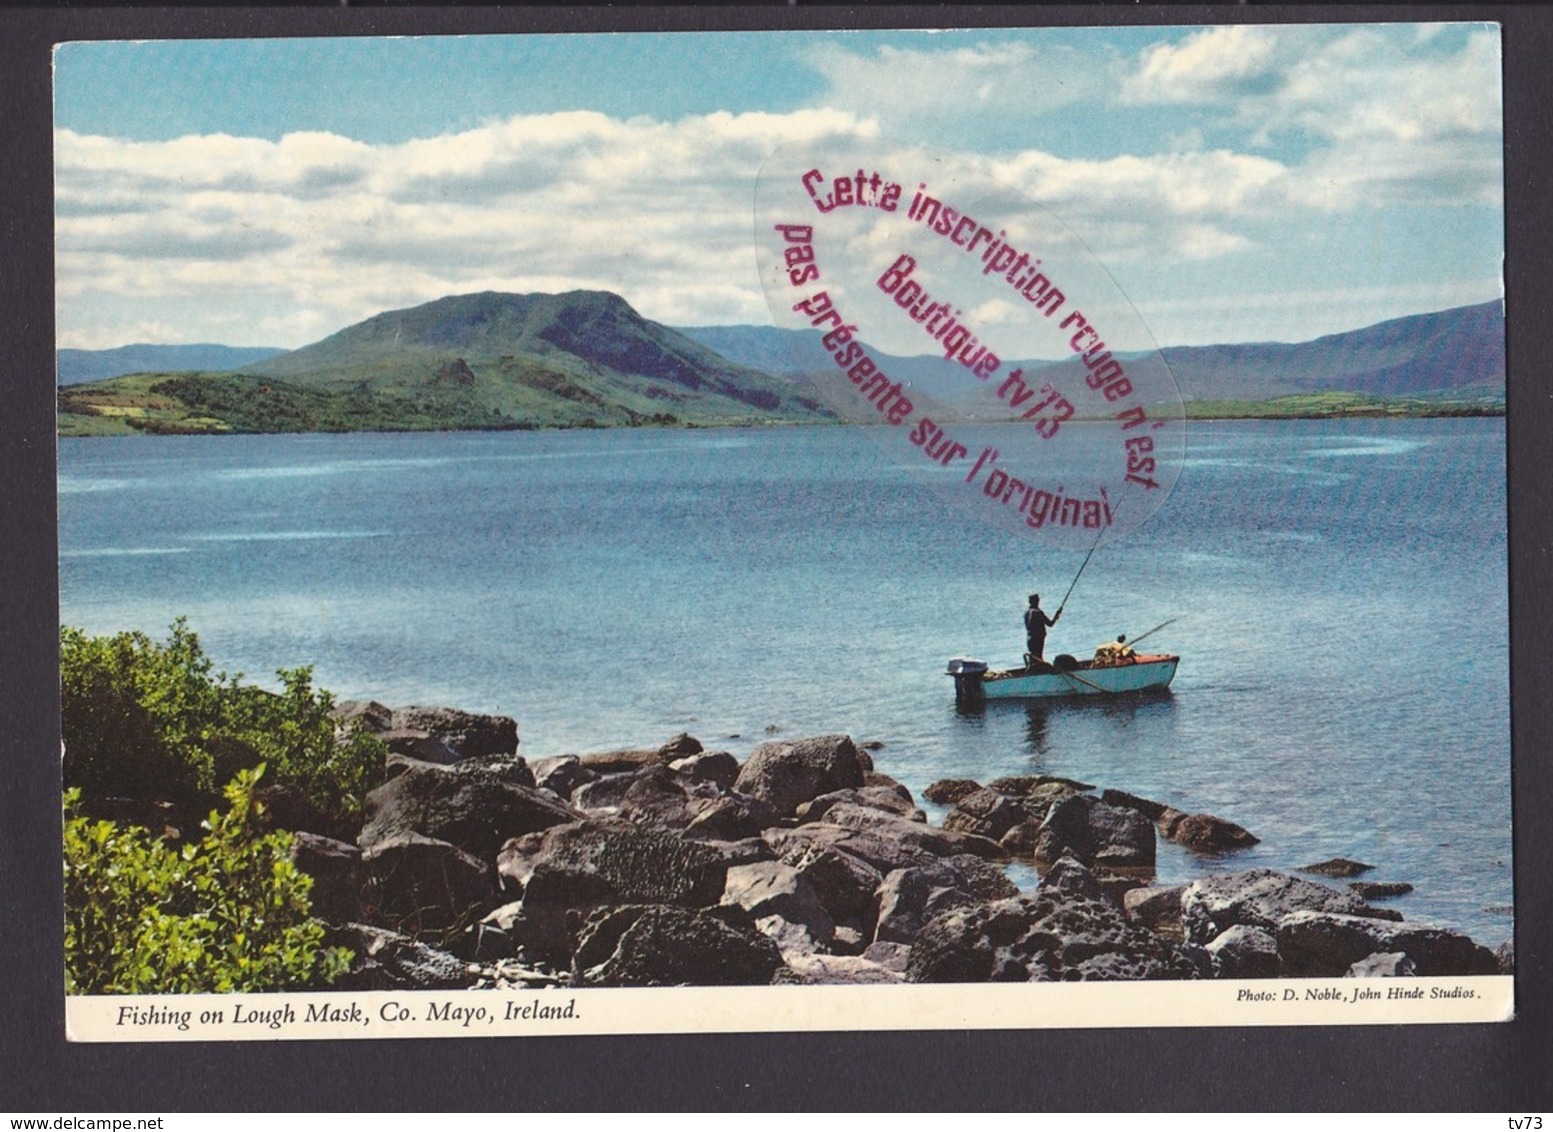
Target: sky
1238	183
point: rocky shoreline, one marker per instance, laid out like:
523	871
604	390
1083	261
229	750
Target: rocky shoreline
804	864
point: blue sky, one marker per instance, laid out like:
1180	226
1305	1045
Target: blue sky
1239	183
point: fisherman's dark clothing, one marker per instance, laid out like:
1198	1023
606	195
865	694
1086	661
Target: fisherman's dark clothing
1036	624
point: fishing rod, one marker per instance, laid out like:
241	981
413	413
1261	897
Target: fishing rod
1093	547
1152	631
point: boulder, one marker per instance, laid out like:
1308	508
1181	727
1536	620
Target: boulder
985	813
1069	876
1378	890
881	852
422	746
882	798
788	774
1204	833
1027	785
602	794
771	888
682	746
1158	909
844	970
389	960
845	885
476	811
657	797
1261	898
420	884
503	768
338	876
607	863
938	842
875	779
1383	965
561	776
667	945
1149	809
361	715
1337	867
948	791
1244	952
285	806
730	817
709	766
792	939
621	762
1318	944
1096	833
1042	937
466	733
1023	839
909	898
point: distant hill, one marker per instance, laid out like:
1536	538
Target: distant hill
76	366
1454	354
587	359
489	360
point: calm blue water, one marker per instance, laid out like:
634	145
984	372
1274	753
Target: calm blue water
1339	590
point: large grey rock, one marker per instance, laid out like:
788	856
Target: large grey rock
466	733
770	888
390	960
338	873
985	813
605	863
420	884
882	852
709	766
948	791
667	945
1096	833
908	898
561	776
1156	908
1326	943
1244	952
729	817
886	799
476	811
939	842
845	884
1383	965
1204	833
788	774
361	715
843	970
1261	898
1043	937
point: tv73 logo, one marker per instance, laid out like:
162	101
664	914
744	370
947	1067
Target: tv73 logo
1528	1123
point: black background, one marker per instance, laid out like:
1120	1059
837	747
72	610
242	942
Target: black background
1506	1068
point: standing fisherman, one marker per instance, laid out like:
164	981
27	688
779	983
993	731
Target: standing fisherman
1036	624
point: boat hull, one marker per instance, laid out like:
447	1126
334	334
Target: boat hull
1147	674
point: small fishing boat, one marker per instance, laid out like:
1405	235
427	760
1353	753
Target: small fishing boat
975	681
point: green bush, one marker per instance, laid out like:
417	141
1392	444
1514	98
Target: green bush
144	719
229	913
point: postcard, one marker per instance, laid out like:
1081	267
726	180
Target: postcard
738	531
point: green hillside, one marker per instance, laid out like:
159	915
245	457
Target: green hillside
487	361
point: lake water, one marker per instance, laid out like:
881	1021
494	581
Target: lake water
1338	589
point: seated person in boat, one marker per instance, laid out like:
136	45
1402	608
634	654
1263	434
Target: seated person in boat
1036	624
1114	653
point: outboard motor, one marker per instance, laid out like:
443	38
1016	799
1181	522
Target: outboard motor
968	674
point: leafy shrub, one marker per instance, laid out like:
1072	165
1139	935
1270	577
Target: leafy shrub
145	719
229	913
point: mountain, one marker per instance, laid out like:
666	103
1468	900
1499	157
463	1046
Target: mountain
488	360
1454	354
586	358
77	366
